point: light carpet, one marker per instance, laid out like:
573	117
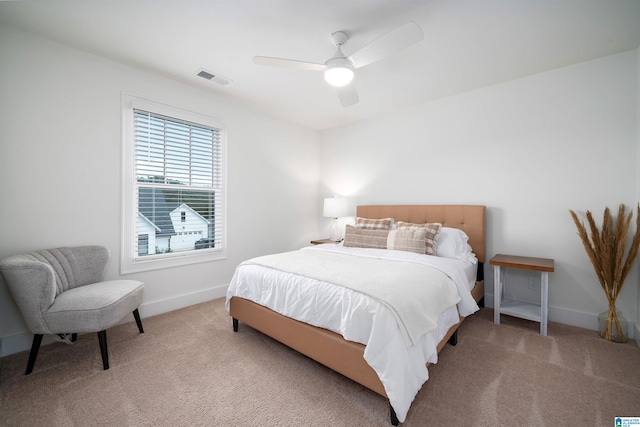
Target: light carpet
190	369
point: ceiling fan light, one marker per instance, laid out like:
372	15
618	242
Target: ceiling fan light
339	74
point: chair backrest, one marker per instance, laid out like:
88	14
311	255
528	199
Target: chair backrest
36	278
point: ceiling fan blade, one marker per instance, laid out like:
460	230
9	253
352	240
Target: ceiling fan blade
348	95
387	44
288	63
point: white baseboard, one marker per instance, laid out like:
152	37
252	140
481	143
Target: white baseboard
22	341
153	308
576	318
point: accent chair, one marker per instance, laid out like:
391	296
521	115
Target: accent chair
61	291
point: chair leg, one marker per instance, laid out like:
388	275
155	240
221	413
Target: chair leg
102	337
74	337
136	315
35	346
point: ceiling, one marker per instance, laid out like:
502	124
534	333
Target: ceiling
468	44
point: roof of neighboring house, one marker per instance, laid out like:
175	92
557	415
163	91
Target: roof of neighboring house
149	222
155	208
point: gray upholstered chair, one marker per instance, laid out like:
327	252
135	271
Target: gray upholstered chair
60	291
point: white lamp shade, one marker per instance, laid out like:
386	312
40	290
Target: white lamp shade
335	207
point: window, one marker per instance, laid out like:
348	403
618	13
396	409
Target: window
173	187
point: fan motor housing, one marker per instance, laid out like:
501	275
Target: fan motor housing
339	38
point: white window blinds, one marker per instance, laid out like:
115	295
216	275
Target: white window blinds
178	185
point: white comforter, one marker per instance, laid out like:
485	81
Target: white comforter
357	317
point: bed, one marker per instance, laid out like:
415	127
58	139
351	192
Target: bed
325	343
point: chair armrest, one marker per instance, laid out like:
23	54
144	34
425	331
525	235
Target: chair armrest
33	287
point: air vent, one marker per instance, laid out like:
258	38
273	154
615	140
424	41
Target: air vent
205	75
216	78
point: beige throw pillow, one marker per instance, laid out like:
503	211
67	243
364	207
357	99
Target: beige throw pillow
432	233
374	224
365	238
408	239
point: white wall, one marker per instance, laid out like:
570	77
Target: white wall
60	170
637	331
530	150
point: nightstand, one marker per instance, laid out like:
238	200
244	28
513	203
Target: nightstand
322	241
524	310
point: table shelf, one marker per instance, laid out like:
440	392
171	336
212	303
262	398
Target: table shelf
524	310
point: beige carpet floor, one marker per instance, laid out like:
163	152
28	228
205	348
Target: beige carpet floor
190	369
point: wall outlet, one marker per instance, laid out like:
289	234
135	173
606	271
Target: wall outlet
533	283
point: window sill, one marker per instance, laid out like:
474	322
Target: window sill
160	262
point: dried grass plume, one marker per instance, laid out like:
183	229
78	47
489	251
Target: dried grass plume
606	249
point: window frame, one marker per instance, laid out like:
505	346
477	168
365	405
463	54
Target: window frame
130	261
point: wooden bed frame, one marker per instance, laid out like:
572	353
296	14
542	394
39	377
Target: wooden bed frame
331	349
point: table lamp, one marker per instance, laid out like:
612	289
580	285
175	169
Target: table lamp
335	207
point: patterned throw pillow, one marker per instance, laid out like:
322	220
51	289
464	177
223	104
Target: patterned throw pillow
408	239
432	233
365	238
374	224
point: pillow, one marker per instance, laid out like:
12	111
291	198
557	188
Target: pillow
365	238
374	224
453	243
431	237
408	239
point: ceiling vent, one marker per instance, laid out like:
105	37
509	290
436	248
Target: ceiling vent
216	78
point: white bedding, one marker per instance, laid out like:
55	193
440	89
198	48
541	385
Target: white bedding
357	317
399	285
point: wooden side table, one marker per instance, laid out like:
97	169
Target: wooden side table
322	241
524	310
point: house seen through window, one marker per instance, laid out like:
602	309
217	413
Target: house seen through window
177	188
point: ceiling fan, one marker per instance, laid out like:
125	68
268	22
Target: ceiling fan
339	70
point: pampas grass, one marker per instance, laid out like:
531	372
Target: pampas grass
606	250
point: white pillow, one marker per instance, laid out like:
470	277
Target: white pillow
453	243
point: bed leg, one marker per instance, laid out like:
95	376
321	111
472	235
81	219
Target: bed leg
394	417
235	324
454	338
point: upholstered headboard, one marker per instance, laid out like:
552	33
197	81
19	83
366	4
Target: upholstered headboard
468	218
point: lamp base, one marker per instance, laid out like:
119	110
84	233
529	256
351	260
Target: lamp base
334	233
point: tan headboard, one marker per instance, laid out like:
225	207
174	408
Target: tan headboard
468	218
